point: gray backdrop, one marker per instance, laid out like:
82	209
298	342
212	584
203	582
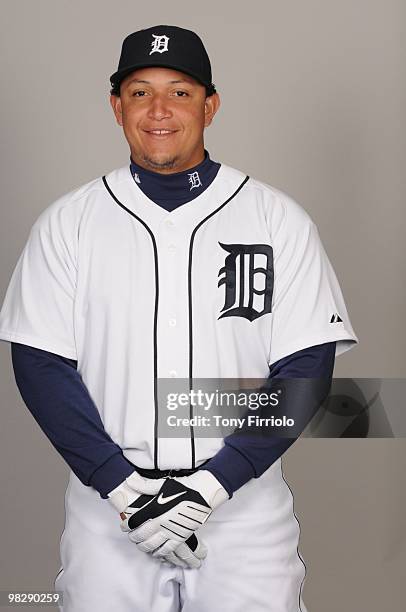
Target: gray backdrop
313	99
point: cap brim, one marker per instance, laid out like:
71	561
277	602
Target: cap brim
120	75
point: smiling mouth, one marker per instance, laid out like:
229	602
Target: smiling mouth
160	132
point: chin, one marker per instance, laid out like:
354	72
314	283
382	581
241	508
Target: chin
159	160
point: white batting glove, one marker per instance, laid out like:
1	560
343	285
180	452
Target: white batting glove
133	494
175	513
133	488
186	554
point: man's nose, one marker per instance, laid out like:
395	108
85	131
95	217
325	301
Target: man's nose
159	107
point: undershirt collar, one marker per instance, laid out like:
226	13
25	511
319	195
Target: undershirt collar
173	190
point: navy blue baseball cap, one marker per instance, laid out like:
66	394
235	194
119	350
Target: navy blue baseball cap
166	46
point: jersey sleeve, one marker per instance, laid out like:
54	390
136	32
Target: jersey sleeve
38	308
56	396
248	456
307	304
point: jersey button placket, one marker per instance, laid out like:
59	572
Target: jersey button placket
172	249
171	340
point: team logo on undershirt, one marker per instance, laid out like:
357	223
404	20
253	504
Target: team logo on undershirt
248	278
159	44
194	180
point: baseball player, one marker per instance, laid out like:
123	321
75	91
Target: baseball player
171	267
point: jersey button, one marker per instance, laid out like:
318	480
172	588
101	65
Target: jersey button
173	373
170	223
172	322
171	248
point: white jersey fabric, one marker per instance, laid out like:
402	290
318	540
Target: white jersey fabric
221	287
133	293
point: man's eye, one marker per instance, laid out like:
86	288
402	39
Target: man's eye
182	93
140	91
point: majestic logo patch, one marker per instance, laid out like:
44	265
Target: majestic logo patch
194	180
159	44
244	266
335	318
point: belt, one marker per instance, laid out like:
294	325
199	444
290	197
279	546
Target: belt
153	473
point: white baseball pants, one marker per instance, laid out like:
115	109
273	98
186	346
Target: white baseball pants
252	563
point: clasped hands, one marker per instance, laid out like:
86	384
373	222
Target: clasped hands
161	516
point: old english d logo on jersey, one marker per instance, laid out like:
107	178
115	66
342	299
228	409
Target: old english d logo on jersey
159	44
248	282
194	180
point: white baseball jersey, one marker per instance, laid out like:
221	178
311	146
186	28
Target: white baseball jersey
221	287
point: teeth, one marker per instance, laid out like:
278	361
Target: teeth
160	131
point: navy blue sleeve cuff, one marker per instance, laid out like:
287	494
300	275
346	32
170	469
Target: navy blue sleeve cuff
231	468
110	474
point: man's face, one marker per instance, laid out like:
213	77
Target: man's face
163	113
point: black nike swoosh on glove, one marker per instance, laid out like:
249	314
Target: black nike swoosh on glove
155	509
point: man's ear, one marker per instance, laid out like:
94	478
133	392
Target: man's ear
115	102
211	106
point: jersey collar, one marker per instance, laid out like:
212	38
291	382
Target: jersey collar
129	194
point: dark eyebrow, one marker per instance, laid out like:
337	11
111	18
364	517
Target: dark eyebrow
149	82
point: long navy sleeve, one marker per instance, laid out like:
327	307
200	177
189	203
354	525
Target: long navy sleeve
56	396
246	456
59	401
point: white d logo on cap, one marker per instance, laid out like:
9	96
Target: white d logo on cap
159	44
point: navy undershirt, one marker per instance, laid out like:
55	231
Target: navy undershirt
59	401
172	190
